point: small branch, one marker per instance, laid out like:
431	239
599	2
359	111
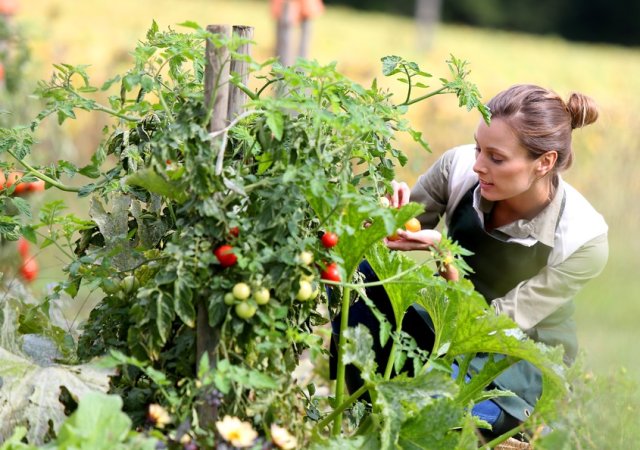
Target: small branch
31	170
344	405
341	369
404	66
442	90
225	133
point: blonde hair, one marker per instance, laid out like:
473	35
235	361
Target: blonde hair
542	121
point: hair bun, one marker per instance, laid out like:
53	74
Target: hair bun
583	110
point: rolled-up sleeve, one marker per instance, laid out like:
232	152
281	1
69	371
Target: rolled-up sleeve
537	298
432	191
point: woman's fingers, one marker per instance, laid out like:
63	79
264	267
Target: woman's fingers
401	194
414	240
427	236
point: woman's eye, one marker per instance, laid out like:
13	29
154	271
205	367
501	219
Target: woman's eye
496	160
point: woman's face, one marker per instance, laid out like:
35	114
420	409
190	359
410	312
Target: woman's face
504	167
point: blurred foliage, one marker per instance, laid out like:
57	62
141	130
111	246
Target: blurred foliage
595	21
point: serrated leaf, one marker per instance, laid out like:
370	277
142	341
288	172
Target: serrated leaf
403	398
17	140
390	64
164	315
434	427
358	350
275	122
22	206
30	393
155	183
98	423
183	302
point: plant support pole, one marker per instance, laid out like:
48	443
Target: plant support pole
239	68
216	91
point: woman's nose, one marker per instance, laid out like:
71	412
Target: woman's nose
478	166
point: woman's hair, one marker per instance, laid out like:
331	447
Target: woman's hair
542	121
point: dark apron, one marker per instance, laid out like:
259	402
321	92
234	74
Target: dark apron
499	266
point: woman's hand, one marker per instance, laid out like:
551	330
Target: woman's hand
414	240
401	194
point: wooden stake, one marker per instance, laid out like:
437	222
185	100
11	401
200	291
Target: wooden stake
216	92
237	98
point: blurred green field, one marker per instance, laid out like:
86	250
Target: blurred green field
102	33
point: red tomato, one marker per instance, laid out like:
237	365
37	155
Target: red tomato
331	272
29	269
23	247
234	231
225	255
36	186
329	239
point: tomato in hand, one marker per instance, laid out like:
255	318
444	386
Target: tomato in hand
413	225
331	273
329	239
225	255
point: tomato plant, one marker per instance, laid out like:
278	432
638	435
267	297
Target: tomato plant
168	194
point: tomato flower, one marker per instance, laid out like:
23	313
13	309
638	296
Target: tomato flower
158	416
236	432
282	438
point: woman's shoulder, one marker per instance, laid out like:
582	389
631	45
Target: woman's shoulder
578	224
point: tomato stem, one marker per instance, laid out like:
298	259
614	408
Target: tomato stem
341	369
33	171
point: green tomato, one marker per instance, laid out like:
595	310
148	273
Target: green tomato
262	296
241	291
306	258
109	286
305	291
129	284
229	299
245	310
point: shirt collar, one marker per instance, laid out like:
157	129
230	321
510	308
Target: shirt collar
542	228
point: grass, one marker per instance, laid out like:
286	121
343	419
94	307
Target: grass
101	34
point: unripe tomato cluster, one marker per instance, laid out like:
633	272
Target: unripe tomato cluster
246	306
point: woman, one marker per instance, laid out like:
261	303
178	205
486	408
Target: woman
535	240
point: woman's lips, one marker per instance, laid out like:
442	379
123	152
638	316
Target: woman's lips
485	184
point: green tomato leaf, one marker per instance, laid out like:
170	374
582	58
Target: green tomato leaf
183	302
155	183
98	423
402	399
30	393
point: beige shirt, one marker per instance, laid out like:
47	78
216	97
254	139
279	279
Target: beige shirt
577	234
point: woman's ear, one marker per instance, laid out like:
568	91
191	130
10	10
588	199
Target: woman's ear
546	162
